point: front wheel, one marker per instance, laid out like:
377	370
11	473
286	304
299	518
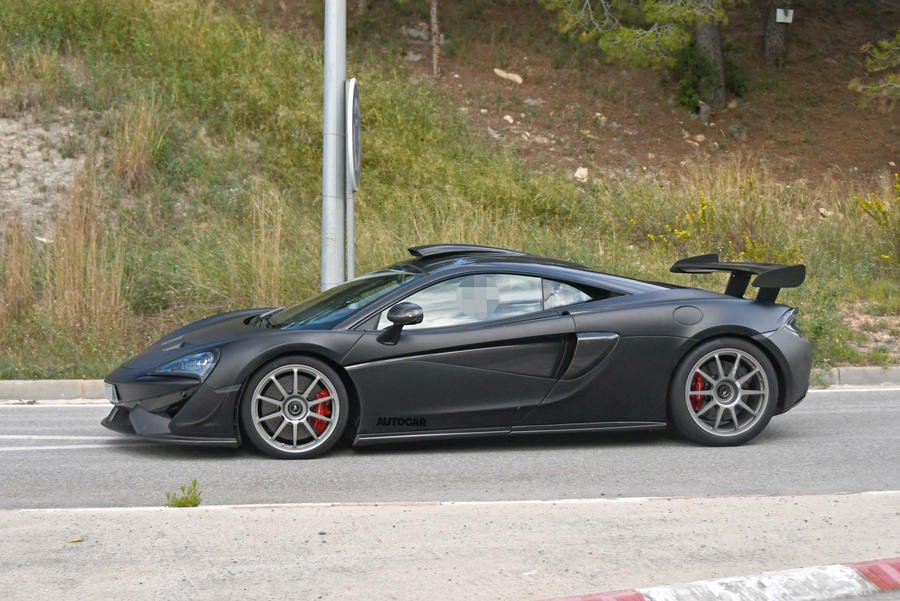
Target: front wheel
723	393
294	408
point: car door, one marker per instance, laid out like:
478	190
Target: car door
485	353
620	370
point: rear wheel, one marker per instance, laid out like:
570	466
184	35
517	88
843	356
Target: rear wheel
294	408
723	393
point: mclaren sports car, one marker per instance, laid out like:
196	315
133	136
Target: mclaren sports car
466	340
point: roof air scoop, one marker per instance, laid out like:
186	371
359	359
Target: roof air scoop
436	250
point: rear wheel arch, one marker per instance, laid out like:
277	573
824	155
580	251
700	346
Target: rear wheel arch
746	335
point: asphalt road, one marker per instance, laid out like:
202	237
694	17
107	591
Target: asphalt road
835	441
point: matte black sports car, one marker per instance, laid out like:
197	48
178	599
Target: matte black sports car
476	341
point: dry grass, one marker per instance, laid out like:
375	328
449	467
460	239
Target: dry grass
266	245
62	308
17	294
29	79
84	275
384	234
137	139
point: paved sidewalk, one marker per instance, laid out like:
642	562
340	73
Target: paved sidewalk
81	391
475	551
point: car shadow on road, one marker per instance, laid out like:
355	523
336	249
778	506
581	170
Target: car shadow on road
161	450
507	444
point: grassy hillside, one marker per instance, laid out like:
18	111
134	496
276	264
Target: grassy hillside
201	138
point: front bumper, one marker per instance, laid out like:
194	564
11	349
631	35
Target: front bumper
140	422
178	410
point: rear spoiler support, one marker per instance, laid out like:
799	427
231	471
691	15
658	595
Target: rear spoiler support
770	277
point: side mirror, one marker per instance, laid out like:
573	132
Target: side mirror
405	314
401	314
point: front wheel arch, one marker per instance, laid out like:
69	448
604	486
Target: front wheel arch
352	395
318	369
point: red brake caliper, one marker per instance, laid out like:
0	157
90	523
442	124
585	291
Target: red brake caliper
323	409
698	383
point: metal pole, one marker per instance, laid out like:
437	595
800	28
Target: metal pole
350	233
333	144
351	158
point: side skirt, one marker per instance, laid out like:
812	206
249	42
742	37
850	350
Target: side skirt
370	439
367	439
588	427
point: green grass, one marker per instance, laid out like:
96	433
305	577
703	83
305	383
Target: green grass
188	497
204	132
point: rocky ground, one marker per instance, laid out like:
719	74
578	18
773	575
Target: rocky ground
38	160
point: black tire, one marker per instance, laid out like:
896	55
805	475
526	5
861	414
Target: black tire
294	407
714	404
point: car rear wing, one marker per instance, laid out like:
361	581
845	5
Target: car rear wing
770	277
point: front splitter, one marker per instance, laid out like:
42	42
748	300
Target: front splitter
150	426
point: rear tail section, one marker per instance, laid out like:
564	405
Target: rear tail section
770	277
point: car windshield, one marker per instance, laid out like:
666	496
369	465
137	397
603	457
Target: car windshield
340	302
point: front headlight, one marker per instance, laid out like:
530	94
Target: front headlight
197	365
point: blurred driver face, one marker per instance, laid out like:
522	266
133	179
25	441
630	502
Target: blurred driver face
478	296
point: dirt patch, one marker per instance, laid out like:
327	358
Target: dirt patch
802	121
38	161
881	332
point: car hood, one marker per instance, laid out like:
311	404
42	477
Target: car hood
194	337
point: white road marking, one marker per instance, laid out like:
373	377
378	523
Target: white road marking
110	441
597	501
67	447
54	437
31	405
869	389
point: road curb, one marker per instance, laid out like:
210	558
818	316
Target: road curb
857	376
92	391
818	583
59	390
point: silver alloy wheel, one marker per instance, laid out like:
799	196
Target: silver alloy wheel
289	406
726	392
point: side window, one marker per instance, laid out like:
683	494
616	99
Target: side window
557	294
475	298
